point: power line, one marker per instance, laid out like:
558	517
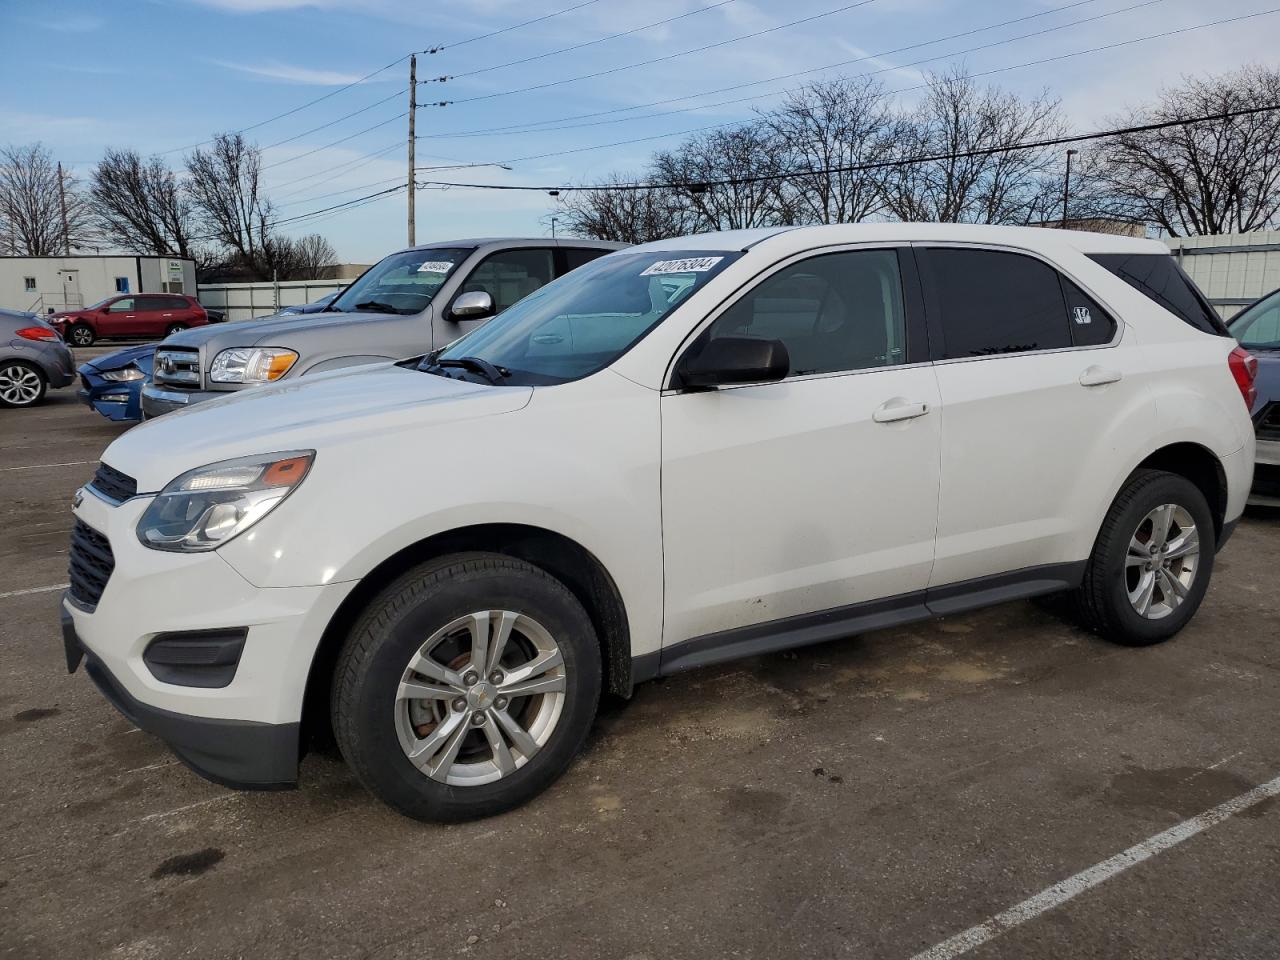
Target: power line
585	43
354	113
515	26
347	166
358	133
663	59
871	165
1039	62
543	126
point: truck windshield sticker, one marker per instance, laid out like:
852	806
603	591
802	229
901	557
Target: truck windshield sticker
691	265
435	266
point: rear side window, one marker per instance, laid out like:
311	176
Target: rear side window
992	302
1091	326
575	257
1158	277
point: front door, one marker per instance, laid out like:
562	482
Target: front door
119	318
816	493
507	276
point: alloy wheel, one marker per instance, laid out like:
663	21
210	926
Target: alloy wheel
480	697
19	385
82	336
1162	561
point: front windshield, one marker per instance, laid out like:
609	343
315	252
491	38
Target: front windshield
401	283
1259	326
588	318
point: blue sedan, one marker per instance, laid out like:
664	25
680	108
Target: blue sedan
112	385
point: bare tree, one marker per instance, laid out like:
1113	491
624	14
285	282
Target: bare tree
223	181
751	156
31	220
1217	176
832	124
614	209
301	258
141	206
976	180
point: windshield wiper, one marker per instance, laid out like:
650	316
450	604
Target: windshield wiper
377	305
491	372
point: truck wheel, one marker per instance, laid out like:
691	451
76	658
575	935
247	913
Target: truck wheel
1151	563
466	687
21	384
82	335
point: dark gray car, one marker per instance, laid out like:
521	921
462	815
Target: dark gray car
33	358
407	304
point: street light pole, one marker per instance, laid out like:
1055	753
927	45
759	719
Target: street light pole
1066	187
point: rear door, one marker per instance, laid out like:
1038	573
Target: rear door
1032	371
154	315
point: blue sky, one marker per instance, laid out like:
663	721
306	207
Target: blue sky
160	75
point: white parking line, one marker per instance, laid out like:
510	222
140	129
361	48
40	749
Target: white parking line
45	466
23	593
1060	893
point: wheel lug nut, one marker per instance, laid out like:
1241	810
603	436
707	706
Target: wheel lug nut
495	677
470	678
460	704
477	719
501	703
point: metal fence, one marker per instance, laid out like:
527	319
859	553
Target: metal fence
1232	269
246	301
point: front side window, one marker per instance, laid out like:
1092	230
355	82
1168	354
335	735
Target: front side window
1158	277
1259	325
403	282
992	302
836	312
585	320
510	276
124	305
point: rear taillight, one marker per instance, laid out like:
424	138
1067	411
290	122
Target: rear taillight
37	333
1244	367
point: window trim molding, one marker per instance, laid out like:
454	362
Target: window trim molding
933	309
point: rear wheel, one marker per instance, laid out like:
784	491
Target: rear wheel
466	688
21	384
1151	563
82	335
173	328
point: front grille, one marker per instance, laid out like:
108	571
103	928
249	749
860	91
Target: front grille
177	367
91	564
113	484
1269	422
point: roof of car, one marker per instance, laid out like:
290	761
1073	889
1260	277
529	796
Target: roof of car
473	242
1029	237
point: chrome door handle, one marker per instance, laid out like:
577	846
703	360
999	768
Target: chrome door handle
899	409
1096	376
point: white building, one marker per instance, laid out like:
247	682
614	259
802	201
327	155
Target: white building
42	284
1233	269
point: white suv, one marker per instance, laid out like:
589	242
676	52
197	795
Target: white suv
681	453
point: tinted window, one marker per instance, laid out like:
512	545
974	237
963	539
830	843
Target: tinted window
993	302
575	257
511	275
156	303
1159	278
1259	325
1091	326
836	312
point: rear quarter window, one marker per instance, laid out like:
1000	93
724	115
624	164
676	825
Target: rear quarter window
1158	277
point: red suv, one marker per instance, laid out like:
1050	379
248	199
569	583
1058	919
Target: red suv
130	315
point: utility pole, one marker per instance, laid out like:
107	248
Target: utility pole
1066	187
413	109
62	202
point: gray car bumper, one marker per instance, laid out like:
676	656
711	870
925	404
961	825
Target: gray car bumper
157	401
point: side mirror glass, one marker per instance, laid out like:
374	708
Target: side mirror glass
471	305
735	360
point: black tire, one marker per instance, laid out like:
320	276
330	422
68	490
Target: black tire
174	328
392	629
82	335
27	371
1102	601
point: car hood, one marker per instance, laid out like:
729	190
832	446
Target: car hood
269	331
122	358
321	412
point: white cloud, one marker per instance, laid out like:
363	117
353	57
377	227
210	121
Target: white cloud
70	23
289	73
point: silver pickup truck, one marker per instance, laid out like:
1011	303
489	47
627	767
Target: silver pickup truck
409	303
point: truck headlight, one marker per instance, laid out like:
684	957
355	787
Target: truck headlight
252	364
207	506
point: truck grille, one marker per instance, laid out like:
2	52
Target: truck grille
177	367
1269	422
91	564
113	484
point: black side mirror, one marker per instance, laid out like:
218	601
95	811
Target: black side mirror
731	360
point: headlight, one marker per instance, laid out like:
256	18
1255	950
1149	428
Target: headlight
124	374
207	506
251	364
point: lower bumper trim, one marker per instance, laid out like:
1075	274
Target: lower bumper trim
242	754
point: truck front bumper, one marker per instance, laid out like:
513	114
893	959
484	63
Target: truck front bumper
157	401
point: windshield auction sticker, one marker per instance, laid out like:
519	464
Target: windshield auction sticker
435	266
691	265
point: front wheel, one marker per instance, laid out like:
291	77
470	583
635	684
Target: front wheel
21	384
1151	563
466	687
82	335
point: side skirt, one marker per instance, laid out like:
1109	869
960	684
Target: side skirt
857	618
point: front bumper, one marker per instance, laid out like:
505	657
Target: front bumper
157	400
245	733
